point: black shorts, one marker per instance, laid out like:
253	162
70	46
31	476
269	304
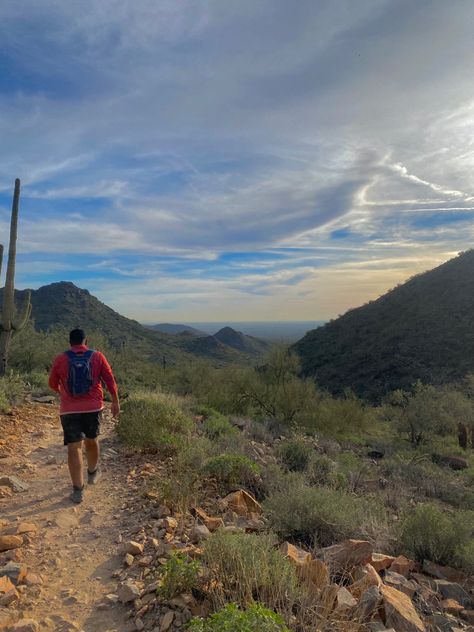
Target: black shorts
79	426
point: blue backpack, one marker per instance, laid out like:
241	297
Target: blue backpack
79	379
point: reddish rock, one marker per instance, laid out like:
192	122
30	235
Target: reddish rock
26	527
399	611
25	625
314	573
242	503
364	577
380	561
344	600
402	565
451	606
347	554
9	542
295	553
443	572
401	583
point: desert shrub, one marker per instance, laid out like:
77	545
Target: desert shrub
178	575
38	381
216	426
259	431
182	486
11	391
232	470
248	567
153	421
429	533
295	453
317	516
427	412
323	471
255	617
336	416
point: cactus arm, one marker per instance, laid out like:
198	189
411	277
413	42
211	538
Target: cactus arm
19	322
8	296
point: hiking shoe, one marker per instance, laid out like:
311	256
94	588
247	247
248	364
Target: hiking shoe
93	477
77	495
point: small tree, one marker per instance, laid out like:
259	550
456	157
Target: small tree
10	324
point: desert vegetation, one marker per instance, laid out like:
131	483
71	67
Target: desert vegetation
324	469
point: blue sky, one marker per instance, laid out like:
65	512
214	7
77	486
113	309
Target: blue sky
238	160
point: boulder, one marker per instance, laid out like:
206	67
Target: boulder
14	483
131	548
128	591
345	555
295	553
199	532
368	603
443	572
14	571
451	590
241	502
314	573
364	577
380	561
344	600
26	527
451	606
399	611
454	462
401	583
402	565
9	542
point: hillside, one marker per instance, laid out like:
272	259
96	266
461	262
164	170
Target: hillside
226	344
176	329
63	304
421	330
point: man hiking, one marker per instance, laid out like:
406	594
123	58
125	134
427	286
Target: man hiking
76	375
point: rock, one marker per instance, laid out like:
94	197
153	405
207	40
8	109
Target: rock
26	527
468	615
344	600
401	583
199	532
7	618
5	492
128	591
442	622
295	554
139	625
454	462
364	577
131	548
399	611
166	621
44	399
9	597
402	565
368	603
443	572
5	585
241	502
14	483
14	571
170	523
25	625
375	454
380	561
450	590
451	606
314	573
128	559
9	542
347	554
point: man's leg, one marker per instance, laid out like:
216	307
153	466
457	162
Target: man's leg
74	461
92	453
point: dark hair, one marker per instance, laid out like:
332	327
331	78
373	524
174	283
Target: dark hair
77	337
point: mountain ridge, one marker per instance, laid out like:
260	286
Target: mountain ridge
420	330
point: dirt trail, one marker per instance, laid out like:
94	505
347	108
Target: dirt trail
75	550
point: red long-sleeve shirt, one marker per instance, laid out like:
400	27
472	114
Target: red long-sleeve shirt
94	399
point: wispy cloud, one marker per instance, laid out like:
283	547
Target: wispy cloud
259	157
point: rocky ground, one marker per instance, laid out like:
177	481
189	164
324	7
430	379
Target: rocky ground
96	566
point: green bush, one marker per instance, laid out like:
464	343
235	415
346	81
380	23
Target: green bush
178	575
318	516
232	470
248	567
181	487
217	426
429	533
153	421
231	619
323	471
295	453
11	391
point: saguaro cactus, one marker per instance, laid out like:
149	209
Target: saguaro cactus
10	323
